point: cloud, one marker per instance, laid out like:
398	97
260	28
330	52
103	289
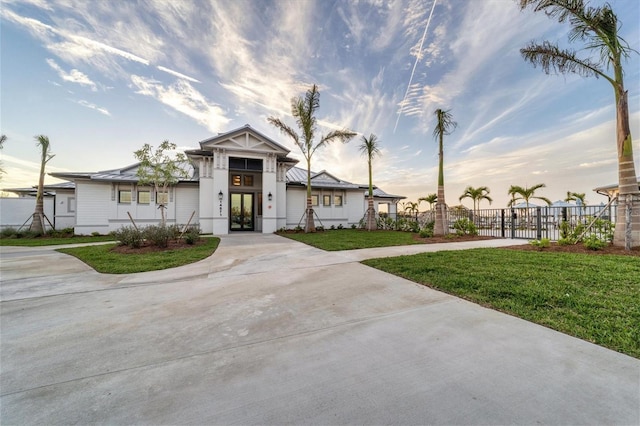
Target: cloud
182	97
179	75
74	76
94	107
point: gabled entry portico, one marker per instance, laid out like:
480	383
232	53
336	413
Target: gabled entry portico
235	170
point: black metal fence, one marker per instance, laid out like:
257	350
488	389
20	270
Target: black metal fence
526	223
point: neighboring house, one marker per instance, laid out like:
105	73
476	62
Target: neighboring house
611	191
59	206
241	181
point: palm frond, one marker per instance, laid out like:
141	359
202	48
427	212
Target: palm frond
287	131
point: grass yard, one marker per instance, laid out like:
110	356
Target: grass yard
350	239
594	298
103	259
51	241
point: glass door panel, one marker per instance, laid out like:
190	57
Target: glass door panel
241	212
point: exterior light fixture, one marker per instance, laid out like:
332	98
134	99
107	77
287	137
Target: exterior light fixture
220	195
270	197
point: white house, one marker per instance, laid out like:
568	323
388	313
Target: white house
241	181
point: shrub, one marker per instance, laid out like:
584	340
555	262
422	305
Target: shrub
340	226
541	244
465	227
159	236
593	242
129	236
353	226
333	227
427	231
9	233
565	241
95	234
192	234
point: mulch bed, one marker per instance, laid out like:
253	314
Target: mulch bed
579	248
149	248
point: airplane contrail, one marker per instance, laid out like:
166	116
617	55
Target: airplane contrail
418	56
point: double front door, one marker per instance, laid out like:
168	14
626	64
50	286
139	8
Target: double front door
242	218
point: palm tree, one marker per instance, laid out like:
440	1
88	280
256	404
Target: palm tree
598	28
525	194
303	110
37	224
575	196
477	195
431	199
370	147
411	208
3	138
444	126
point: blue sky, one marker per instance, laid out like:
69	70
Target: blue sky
101	78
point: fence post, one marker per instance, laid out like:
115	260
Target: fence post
538	223
513	223
502	217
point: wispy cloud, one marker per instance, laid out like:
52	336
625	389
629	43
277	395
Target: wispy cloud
73	76
94	107
179	75
182	97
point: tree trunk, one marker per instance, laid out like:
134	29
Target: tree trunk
441	227
371	216
37	224
627	180
310	225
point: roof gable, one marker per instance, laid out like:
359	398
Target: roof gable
244	139
324	176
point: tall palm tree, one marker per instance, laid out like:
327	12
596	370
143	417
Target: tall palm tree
597	28
526	194
444	126
431	199
37	224
370	147
303	110
477	195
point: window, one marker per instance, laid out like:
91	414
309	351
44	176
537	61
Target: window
248	180
124	197
337	200
314	200
326	200
71	204
162	198
236	180
144	197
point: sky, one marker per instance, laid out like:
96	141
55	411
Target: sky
102	78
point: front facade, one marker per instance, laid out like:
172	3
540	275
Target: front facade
240	181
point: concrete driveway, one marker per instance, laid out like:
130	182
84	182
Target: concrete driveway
271	331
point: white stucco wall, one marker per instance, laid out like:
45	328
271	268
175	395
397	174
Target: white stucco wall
14	212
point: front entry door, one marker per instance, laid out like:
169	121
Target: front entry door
241	212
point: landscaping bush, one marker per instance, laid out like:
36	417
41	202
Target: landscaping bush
192	234
9	233
465	227
159	236
541	244
427	231
129	236
593	242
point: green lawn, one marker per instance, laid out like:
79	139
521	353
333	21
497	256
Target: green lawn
102	259
595	298
47	241
350	239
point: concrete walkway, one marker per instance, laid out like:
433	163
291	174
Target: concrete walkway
271	331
